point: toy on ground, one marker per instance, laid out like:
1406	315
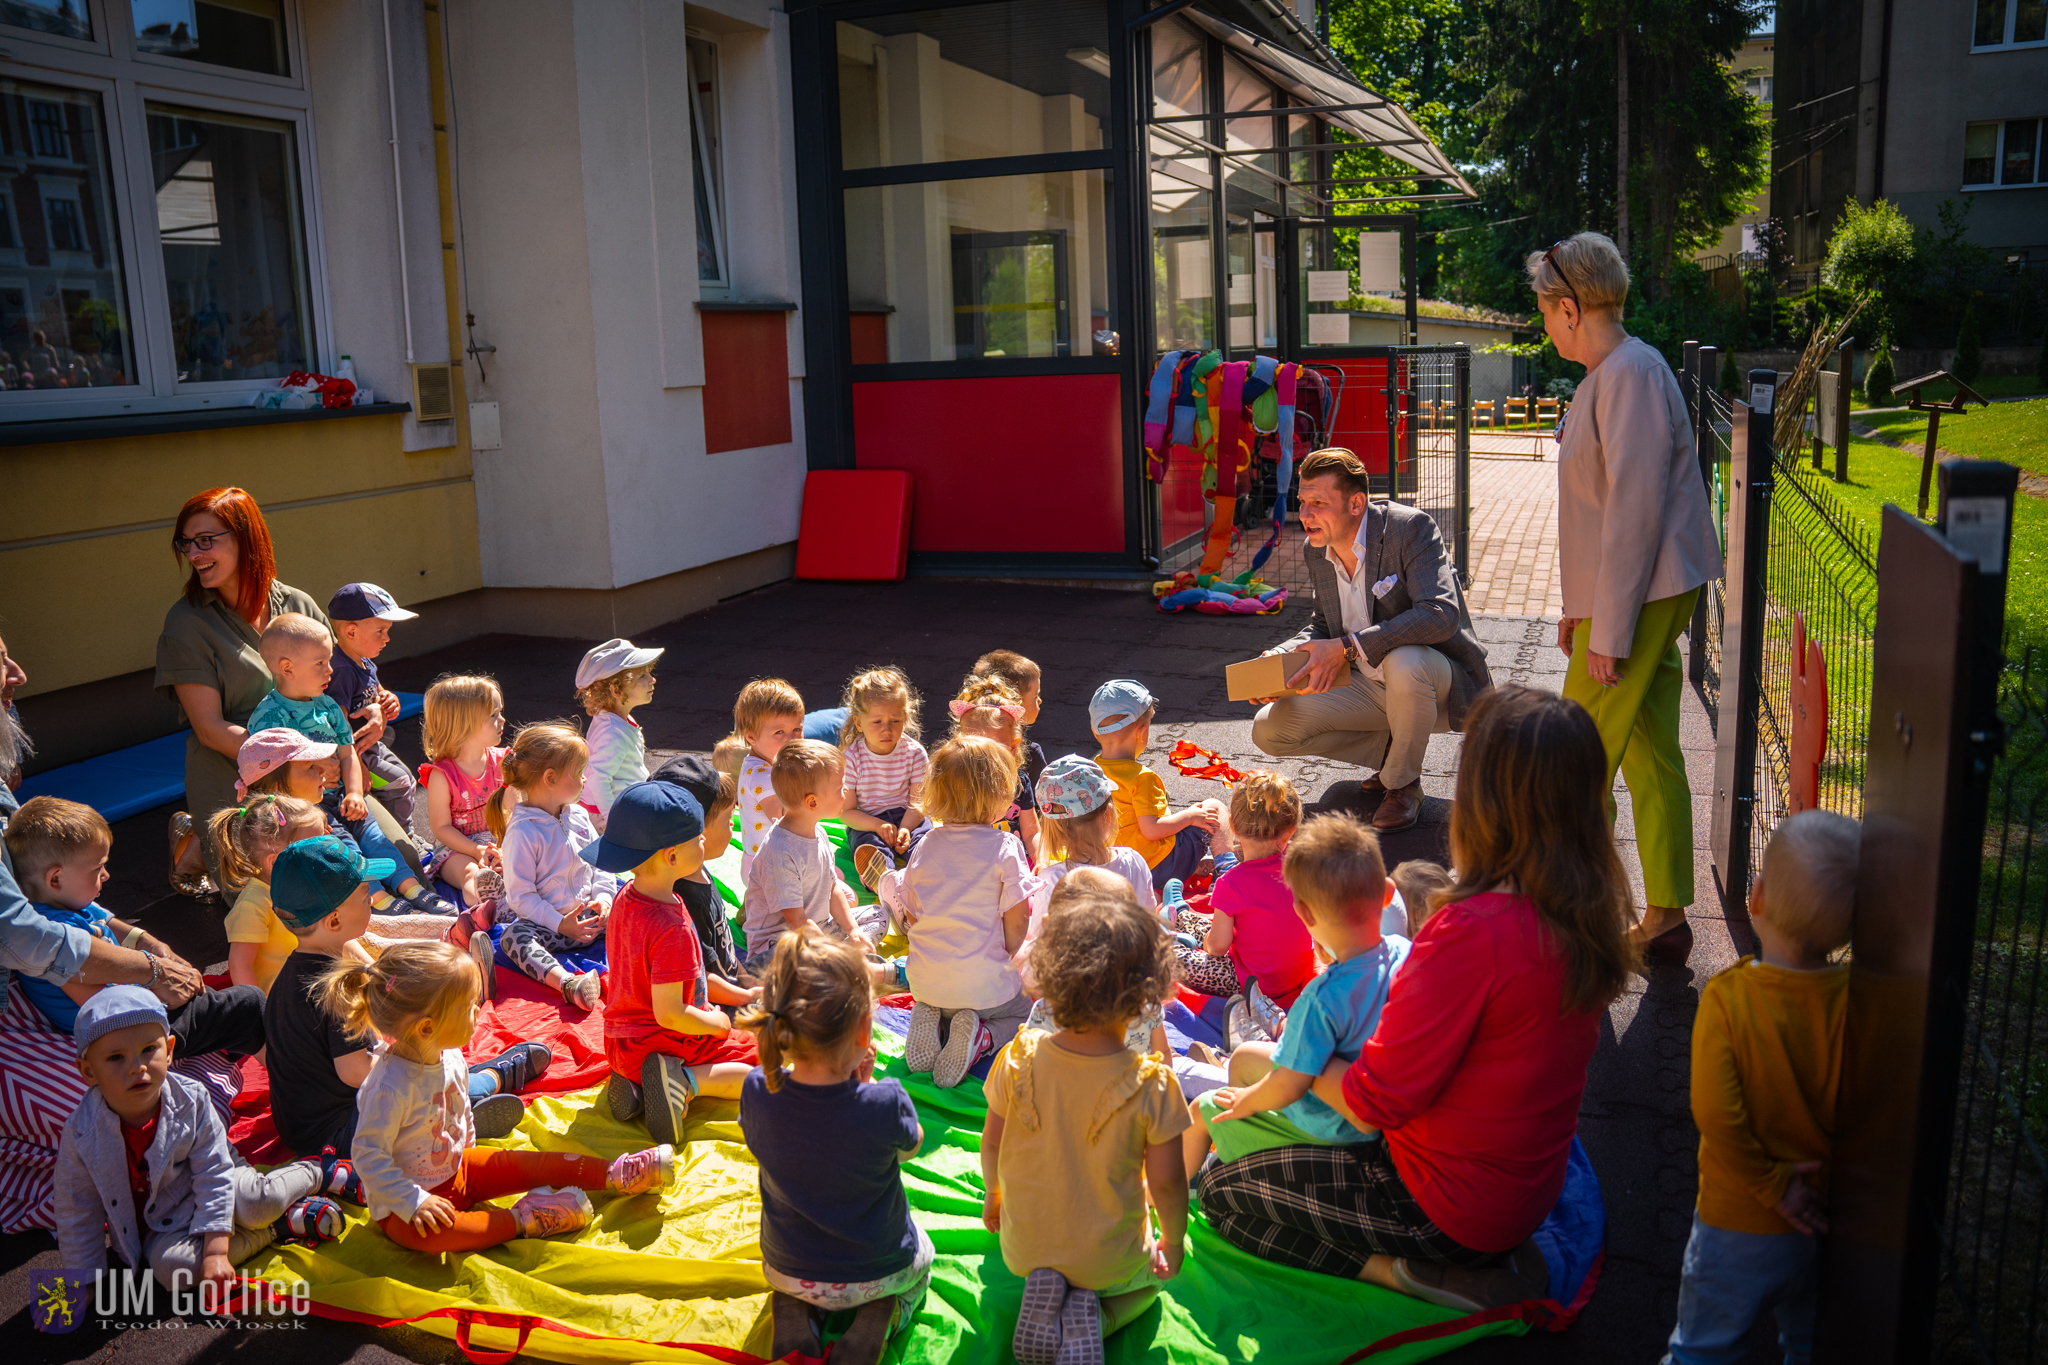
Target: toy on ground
1207	592
1192	760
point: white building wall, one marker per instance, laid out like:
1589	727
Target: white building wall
572	157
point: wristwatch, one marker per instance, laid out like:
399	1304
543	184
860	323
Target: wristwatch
1351	648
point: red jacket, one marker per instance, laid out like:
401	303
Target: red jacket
1474	1074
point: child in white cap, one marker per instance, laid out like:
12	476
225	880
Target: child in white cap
144	1162
612	680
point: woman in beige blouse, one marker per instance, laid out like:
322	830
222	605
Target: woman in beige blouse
1635	544
206	658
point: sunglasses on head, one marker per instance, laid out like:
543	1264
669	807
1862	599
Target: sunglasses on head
1550	259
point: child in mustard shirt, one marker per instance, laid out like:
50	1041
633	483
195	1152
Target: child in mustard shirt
1766	1065
1176	844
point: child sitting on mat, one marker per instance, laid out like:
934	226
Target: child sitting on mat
415	1151
768	714
463	720
885	771
1077	800
990	708
1176	844
1027	680
1079	1127
249	839
830	1141
664	1035
614	679
559	902
144	1160
1339	885
794	880
966	899
1252	935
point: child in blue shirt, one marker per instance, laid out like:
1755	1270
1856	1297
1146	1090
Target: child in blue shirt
1339	881
60	853
299	653
361	614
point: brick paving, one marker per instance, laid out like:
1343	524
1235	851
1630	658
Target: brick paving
1513	555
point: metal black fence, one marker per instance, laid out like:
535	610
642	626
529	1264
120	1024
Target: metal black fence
1994	1278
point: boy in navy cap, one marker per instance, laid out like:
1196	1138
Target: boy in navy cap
361	614
145	1160
666	1040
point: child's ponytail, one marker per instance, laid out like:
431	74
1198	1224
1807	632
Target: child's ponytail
498	812
247	834
814	994
343	994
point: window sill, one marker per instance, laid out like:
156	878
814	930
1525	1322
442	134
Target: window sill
1989	189
738	306
43	432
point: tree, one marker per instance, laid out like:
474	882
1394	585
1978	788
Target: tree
1872	252
1879	378
1969	361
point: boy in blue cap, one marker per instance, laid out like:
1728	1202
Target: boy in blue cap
361	614
145	1160
1176	844
665	1037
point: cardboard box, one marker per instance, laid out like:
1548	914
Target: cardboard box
1267	676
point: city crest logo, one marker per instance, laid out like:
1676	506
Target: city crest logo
57	1301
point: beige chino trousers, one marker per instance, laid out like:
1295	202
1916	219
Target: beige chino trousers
1379	723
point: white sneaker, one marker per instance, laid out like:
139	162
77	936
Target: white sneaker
967	1040
921	1043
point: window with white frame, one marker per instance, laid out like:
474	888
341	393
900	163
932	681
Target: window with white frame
2003	155
2009	23
154	242
707	161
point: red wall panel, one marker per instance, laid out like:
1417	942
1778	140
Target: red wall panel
868	339
1012	463
746	380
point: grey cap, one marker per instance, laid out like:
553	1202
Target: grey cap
115	1008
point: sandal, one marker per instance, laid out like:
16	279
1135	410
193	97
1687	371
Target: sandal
188	858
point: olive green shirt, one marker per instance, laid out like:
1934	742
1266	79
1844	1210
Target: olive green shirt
212	646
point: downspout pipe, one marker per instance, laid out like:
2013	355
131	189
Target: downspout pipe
397	184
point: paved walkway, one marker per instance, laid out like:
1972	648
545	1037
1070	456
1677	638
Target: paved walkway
1634	1119
1513	556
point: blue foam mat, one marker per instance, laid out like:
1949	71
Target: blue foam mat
141	777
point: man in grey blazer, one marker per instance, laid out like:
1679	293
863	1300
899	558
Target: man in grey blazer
1387	599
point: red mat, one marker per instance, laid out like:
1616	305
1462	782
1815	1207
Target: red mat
524	1012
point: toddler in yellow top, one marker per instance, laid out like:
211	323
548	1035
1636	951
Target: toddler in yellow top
1766	1066
249	839
1176	844
1079	1127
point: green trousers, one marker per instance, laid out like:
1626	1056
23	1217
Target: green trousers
1638	722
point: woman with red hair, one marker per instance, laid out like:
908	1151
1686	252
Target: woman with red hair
207	659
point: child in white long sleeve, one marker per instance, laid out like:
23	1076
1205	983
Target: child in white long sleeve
613	679
144	1159
415	1151
559	902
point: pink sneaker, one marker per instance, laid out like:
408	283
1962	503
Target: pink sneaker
546	1212
641	1172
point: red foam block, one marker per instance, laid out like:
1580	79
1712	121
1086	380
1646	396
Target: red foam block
856	524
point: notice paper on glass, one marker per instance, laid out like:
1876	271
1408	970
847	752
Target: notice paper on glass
1329	286
1241	331
1329	329
1379	262
1193	260
1240	289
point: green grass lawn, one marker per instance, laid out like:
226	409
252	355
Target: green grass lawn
2014	432
1990	386
1879	474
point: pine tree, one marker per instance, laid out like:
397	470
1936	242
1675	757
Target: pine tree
1969	361
1878	379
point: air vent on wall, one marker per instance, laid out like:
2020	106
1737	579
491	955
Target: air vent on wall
433	392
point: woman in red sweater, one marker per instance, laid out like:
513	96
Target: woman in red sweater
1475	1071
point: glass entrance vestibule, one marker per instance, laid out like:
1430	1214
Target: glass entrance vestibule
1010	209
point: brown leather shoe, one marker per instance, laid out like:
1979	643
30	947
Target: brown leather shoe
1372	784
1399	809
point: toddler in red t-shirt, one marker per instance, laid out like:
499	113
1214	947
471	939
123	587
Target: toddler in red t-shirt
666	1038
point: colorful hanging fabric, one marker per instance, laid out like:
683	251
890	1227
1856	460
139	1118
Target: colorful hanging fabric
1192	760
1231	453
1286	383
1158	412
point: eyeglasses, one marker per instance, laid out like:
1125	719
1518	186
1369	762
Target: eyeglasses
206	540
1550	259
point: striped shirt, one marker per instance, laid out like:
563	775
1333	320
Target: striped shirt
888	781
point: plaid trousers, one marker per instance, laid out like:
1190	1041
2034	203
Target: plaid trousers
1325	1209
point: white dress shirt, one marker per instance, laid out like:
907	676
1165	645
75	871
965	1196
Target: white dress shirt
1354	591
